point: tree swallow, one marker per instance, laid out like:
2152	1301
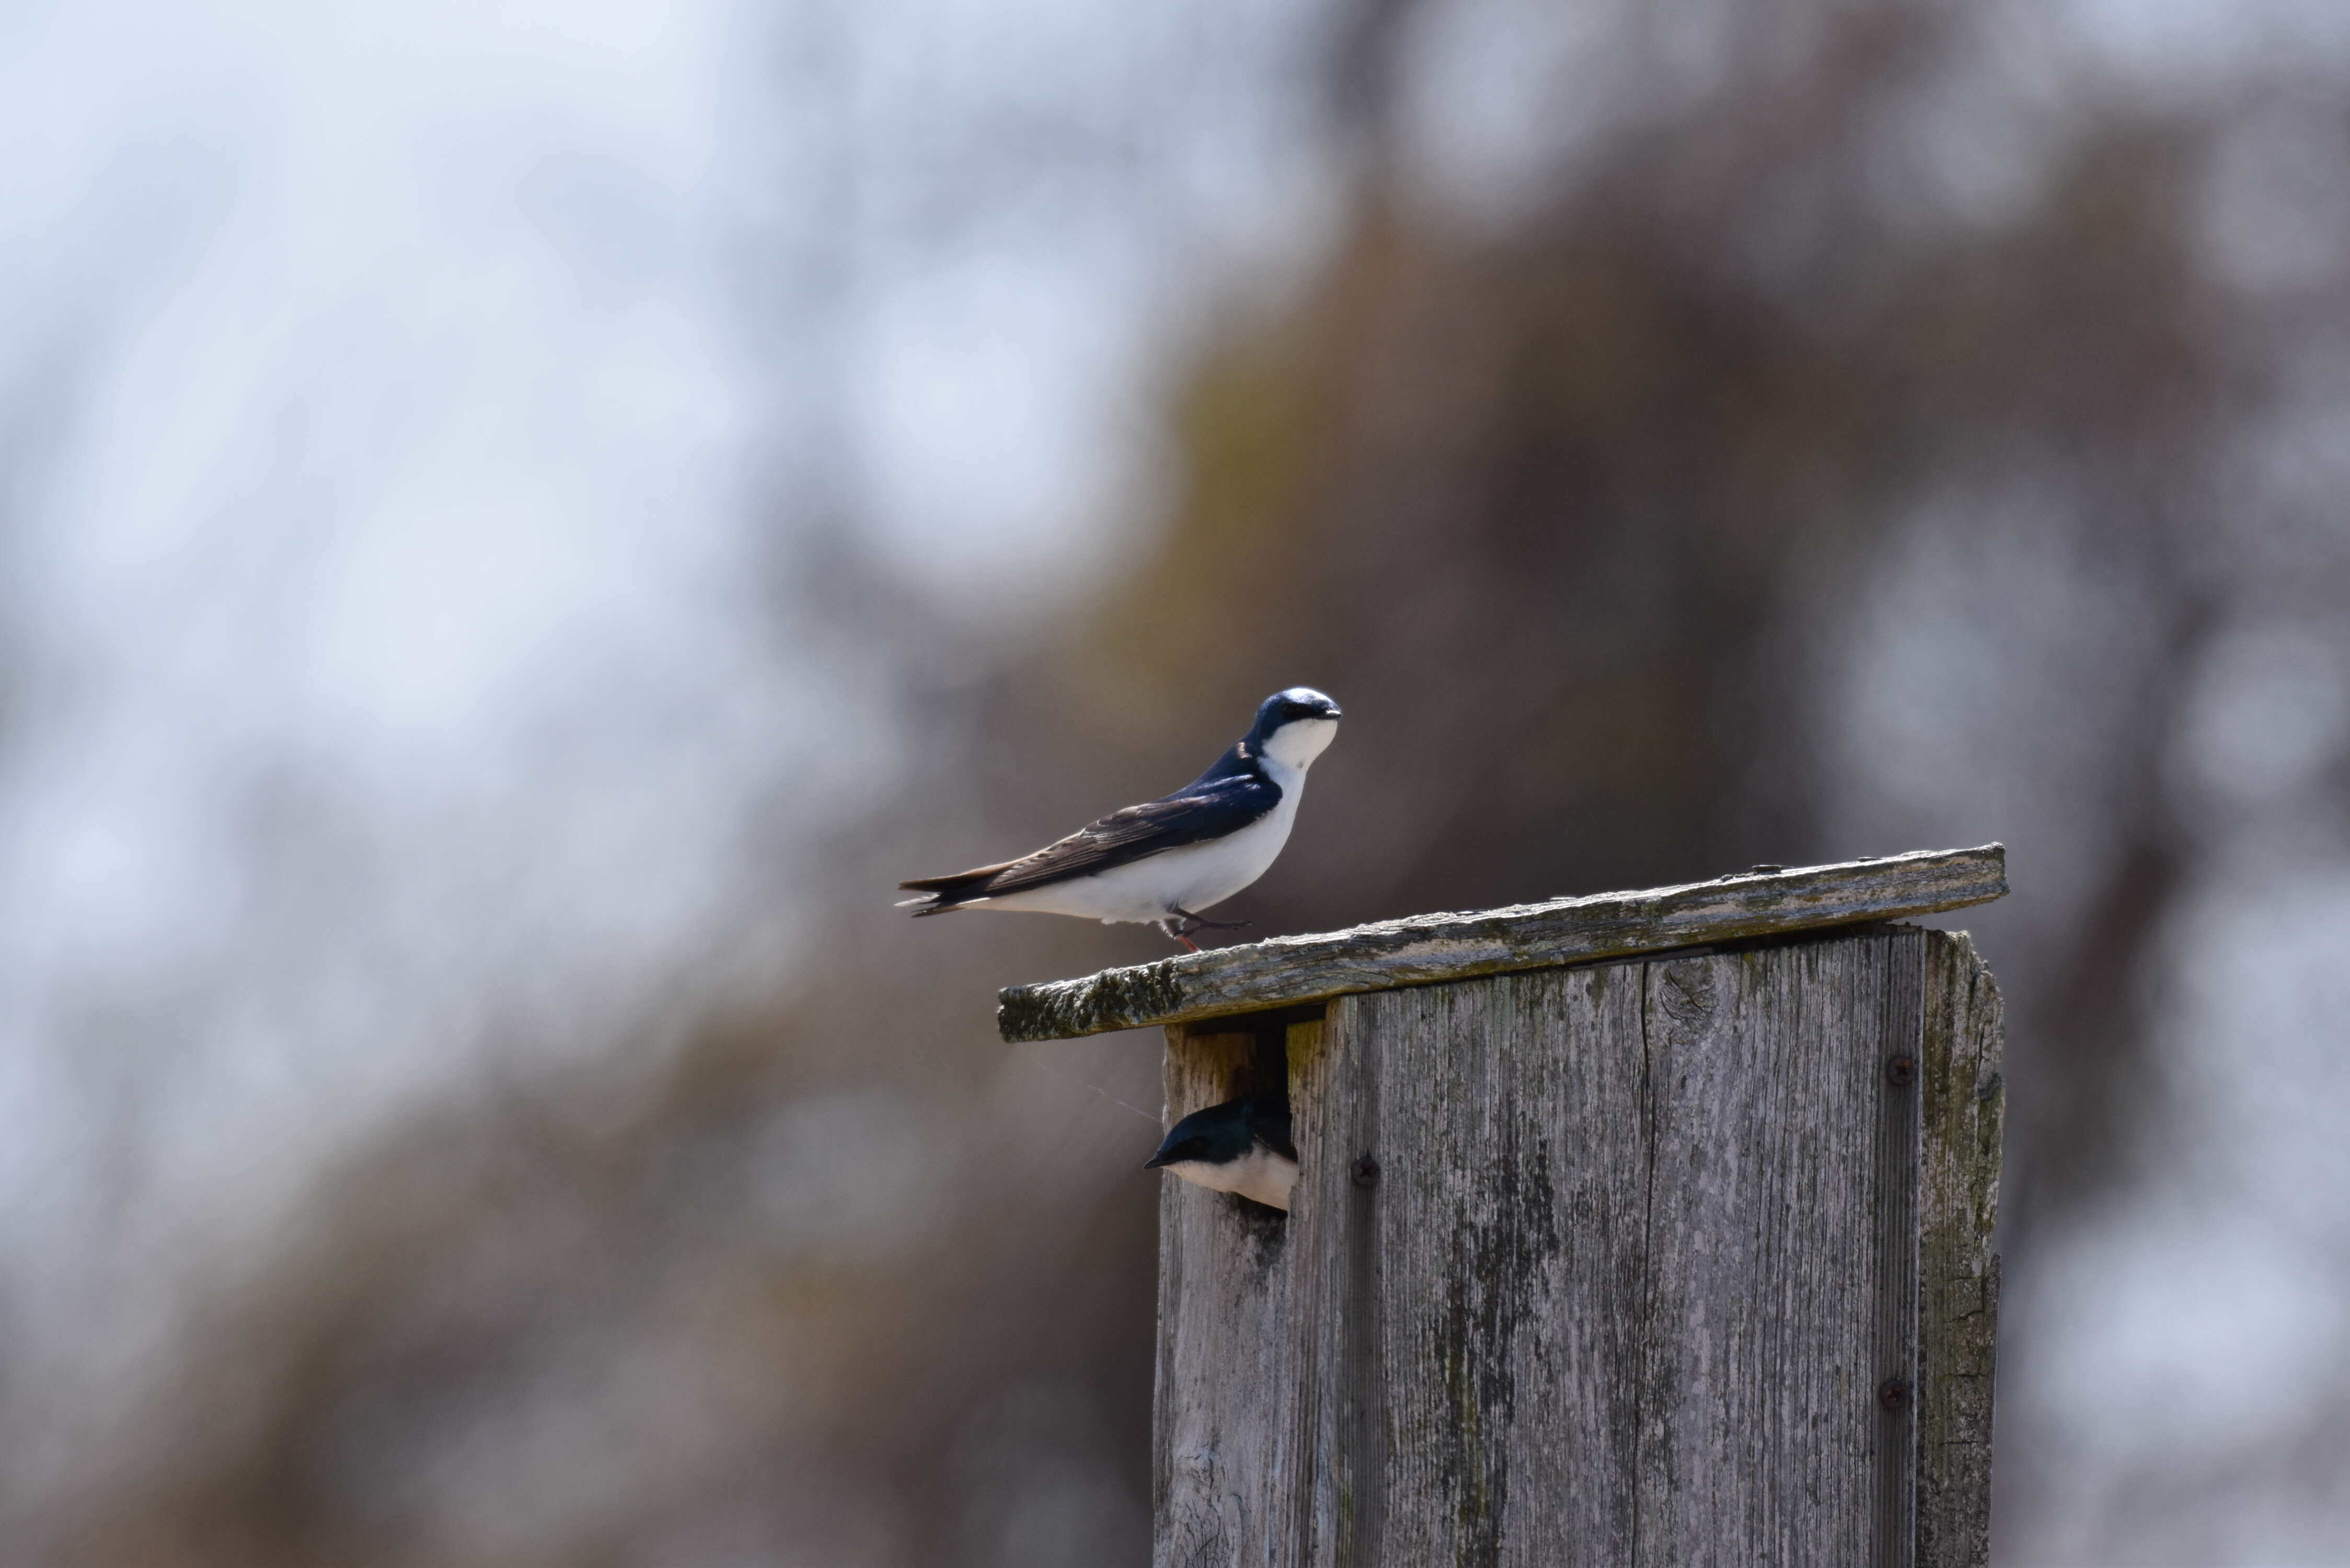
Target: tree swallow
1161	862
1242	1146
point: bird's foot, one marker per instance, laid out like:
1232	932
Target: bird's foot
1180	923
1192	922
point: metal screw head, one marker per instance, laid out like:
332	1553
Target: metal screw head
1901	1071
1893	1394
1367	1171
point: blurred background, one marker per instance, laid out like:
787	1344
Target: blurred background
520	524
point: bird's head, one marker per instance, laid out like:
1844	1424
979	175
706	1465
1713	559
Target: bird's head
1294	726
1217	1136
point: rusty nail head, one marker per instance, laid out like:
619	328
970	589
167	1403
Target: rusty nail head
1893	1394
1366	1171
1901	1071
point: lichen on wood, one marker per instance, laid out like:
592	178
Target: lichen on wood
1964	1104
1429	948
1649	1259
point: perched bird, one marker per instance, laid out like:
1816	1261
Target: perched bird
1162	862
1242	1146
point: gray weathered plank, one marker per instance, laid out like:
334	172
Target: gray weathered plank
1498	1333
1762	1439
1963	1104
1427	949
1229	1435
1622	1291
1901	1041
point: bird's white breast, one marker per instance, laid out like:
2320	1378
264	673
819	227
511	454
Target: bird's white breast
1260	1174
1191	877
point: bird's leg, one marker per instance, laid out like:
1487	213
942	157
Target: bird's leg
1192	922
1182	935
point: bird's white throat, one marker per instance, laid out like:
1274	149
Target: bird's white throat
1296	743
1260	1174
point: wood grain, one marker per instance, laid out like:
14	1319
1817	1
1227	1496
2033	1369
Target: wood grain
1495	1343
1901	1033
1763	1438
1228	1457
1640	1252
1964	1102
1429	948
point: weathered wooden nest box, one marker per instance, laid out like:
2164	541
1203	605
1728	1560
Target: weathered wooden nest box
1647	1228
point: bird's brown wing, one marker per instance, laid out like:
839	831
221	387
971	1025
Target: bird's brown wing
1206	810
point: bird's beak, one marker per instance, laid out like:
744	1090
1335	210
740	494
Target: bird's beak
1154	1162
1333	713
